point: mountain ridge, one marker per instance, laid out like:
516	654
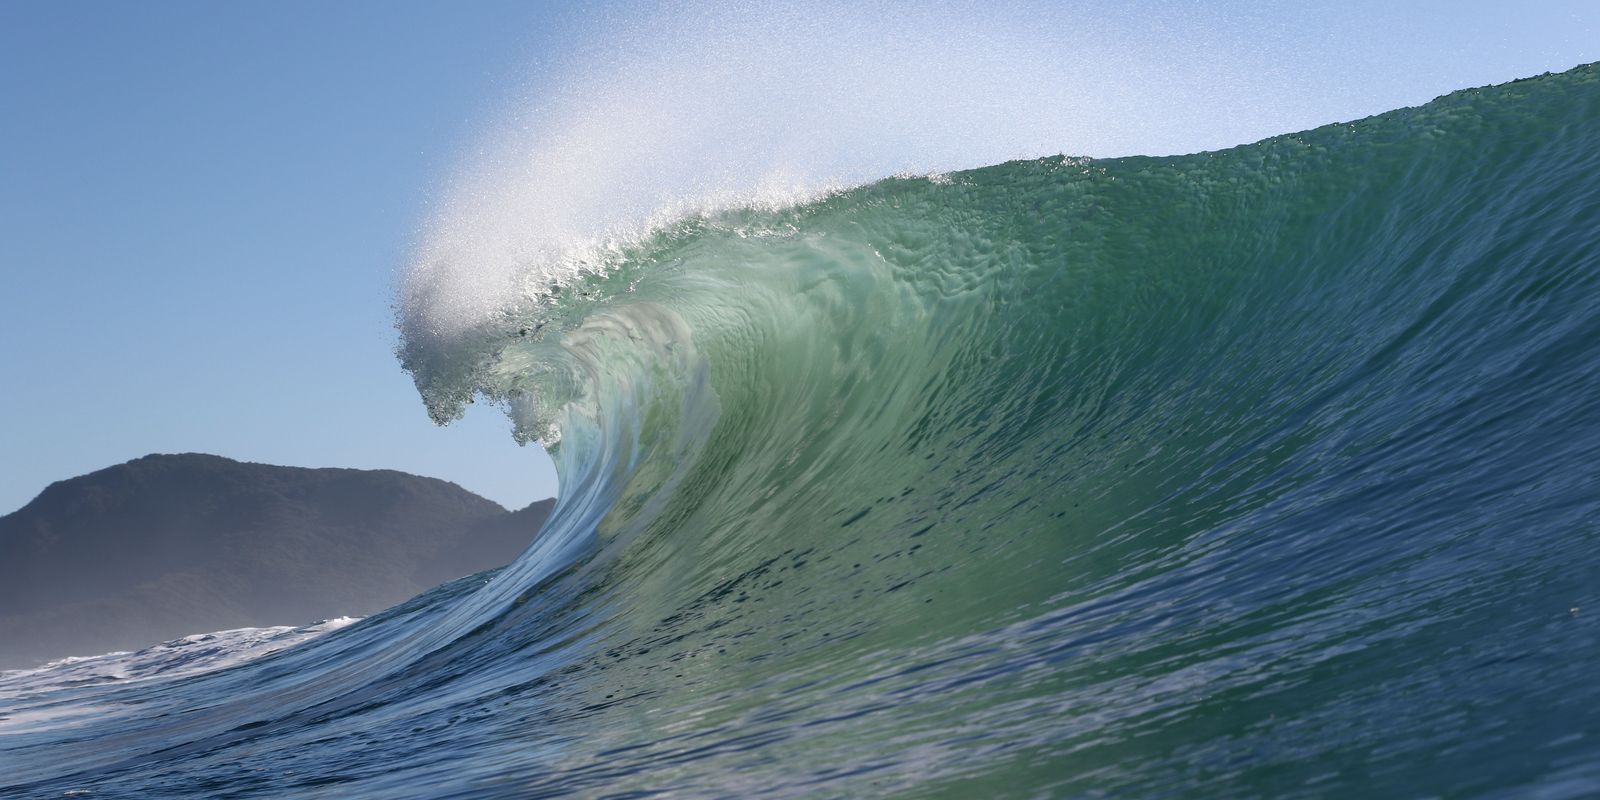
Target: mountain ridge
172	544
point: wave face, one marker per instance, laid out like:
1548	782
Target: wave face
1263	472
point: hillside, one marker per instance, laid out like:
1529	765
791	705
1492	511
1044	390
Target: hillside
168	545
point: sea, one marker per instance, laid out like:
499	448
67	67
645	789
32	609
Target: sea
1268	472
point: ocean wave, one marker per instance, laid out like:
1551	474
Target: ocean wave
1258	472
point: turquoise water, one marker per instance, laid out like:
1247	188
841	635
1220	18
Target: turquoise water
1267	472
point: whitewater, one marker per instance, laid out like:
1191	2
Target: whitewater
1257	472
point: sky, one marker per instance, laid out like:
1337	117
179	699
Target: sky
205	207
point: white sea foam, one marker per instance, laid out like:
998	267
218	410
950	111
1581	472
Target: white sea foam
32	700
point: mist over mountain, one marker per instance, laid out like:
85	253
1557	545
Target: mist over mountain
168	545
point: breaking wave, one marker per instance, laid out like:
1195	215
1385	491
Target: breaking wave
1260	472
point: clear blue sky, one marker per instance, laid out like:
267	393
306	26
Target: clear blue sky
203	206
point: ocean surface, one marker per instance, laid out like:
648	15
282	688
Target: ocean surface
1268	472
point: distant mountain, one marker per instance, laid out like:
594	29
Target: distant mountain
168	545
